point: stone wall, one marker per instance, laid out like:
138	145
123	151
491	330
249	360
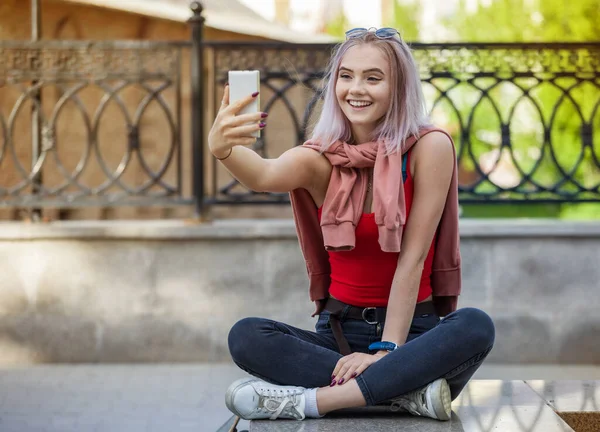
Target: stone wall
167	291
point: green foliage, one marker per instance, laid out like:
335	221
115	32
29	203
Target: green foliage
527	21
536	21
338	26
499	211
406	20
571	21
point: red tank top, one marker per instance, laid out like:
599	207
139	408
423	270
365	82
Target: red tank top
363	276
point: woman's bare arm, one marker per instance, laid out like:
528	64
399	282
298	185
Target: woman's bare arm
434	164
298	167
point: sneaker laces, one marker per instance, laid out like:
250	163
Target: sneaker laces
280	401
410	402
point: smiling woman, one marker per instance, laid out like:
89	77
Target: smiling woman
364	94
375	200
375	65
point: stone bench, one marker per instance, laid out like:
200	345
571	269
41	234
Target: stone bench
484	406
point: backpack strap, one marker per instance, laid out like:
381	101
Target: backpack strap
404	174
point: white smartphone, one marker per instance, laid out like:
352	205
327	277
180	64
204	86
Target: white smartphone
242	84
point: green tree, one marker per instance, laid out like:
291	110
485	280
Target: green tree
406	19
338	26
527	21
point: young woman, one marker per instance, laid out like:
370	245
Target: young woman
375	200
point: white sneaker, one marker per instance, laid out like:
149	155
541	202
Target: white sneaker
254	399
431	401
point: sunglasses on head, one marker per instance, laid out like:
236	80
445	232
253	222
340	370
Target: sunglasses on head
382	33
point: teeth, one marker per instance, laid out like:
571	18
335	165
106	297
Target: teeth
359	104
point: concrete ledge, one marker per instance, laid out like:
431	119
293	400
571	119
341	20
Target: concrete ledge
269	229
150	230
169	291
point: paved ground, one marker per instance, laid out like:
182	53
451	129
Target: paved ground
128	398
155	398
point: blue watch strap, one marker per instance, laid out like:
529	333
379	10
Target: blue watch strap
385	346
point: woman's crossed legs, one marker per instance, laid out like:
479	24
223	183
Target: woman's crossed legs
452	348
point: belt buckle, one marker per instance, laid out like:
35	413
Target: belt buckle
364	311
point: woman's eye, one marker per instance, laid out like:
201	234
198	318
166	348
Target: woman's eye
344	76
373	79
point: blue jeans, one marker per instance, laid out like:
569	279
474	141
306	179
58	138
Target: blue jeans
452	348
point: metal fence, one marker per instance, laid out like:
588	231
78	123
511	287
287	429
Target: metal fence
55	84
524	117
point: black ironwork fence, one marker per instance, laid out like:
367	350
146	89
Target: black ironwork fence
104	91
524	117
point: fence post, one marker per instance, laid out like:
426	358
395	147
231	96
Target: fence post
36	119
196	23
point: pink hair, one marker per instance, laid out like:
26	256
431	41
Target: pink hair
407	113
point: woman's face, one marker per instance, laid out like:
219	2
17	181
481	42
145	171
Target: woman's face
363	87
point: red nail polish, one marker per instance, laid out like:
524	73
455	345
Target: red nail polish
332	383
264	115
354	374
262	125
255	94
332	377
341	381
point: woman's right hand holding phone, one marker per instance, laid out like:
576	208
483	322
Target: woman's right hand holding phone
231	130
298	167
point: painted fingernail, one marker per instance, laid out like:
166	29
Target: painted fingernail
255	94
332	383
264	115
354	374
332	377
341	381
261	125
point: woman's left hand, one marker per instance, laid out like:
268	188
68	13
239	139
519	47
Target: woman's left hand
353	365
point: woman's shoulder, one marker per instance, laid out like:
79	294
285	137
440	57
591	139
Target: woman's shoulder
311	156
313	153
433	139
432	129
433	149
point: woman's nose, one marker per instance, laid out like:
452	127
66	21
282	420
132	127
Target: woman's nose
357	87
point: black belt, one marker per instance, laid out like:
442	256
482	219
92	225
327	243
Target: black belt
372	315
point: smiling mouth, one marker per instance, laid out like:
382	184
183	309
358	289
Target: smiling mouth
359	104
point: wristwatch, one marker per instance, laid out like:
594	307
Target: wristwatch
383	346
